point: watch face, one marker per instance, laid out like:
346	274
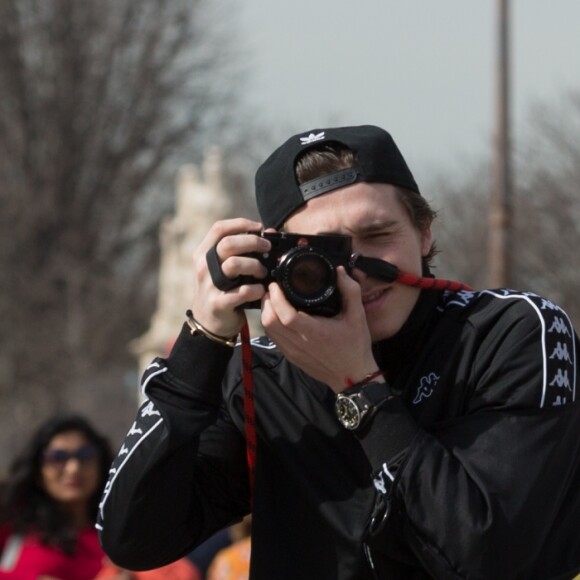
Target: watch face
348	412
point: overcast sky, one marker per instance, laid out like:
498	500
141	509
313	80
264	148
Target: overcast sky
423	69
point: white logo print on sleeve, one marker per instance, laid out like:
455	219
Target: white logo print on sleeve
558	348
148	419
558	356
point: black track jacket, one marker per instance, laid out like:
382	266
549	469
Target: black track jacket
472	472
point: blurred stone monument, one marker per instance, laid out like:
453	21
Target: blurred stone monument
200	201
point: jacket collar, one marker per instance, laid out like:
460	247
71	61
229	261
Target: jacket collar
395	354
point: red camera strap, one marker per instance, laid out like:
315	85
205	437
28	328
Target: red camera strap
431	283
248	377
249	408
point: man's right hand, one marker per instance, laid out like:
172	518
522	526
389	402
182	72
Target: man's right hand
215	309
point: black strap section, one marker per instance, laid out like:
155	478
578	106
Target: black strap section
219	279
375	268
375	392
329	182
375	396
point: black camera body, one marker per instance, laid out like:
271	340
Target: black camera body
305	268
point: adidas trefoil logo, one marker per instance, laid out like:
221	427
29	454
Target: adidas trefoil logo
312	138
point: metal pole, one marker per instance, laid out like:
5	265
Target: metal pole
500	203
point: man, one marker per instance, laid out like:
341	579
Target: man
407	434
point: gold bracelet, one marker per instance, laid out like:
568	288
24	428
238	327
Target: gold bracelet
198	328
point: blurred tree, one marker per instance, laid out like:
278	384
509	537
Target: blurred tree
461	227
546	210
548	202
97	99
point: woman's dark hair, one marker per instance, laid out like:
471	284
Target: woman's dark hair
331	157
24	504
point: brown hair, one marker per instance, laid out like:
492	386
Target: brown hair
332	157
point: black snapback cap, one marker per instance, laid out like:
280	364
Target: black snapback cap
378	159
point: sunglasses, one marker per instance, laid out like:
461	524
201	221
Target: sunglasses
60	457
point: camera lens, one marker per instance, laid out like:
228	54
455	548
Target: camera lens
309	275
306	277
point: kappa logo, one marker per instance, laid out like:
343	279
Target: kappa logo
561	380
426	387
134	430
149	410
262	342
549	305
559	326
383	480
312	138
561	352
462	298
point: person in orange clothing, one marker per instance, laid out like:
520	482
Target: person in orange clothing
233	562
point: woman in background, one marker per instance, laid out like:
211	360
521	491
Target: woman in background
49	502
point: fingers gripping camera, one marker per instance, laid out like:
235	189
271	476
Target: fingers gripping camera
303	265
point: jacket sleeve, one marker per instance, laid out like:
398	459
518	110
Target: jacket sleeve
180	474
492	493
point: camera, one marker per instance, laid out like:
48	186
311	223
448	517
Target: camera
305	268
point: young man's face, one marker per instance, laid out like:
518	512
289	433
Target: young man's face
380	227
